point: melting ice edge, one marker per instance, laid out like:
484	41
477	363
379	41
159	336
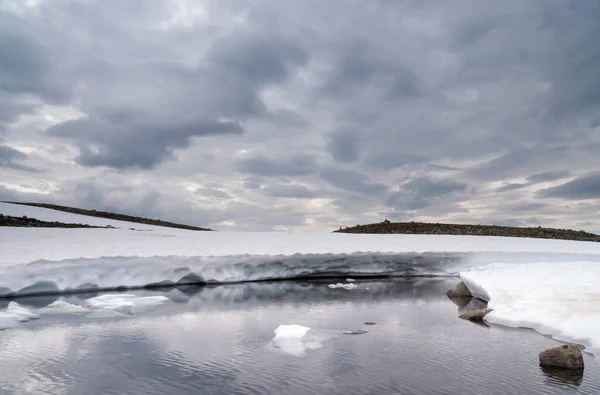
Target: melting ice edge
116	273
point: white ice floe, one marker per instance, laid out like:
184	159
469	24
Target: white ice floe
125	303
62	307
345	286
558	299
297	340
14	314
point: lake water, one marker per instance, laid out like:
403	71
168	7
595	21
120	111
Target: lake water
217	340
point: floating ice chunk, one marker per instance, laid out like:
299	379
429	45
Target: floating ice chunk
62	307
125	303
345	286
14	314
290	332
20	312
296	340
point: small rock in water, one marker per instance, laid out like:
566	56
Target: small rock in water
458	290
475	315
355	332
370	323
566	357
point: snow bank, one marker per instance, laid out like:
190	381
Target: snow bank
77	275
561	299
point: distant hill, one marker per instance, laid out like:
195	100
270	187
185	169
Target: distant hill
387	227
113	216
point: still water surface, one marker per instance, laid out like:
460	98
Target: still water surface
218	341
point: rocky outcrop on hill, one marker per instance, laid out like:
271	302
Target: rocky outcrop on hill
26	222
114	216
387	227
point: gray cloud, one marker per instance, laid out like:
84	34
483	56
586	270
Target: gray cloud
344	146
212	192
352	100
113	140
297	165
582	188
529	207
252	183
10	157
512	164
358	65
511	187
352	181
548	176
288	191
420	192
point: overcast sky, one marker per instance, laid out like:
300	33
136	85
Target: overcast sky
304	114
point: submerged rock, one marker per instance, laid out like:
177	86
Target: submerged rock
475	315
566	357
573	377
461	301
459	290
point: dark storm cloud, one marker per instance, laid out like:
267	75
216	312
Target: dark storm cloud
288	191
582	188
352	181
296	165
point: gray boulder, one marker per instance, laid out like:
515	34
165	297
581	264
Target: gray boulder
459	290
475	315
566	357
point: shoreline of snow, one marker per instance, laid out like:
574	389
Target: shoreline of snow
558	299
